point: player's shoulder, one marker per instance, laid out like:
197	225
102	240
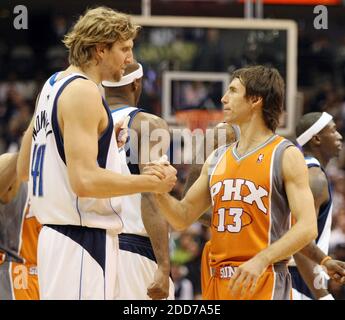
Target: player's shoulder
81	93
154	121
216	155
291	152
317	176
293	164
83	87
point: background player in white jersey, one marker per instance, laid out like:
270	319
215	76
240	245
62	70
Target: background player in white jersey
144	265
74	164
318	136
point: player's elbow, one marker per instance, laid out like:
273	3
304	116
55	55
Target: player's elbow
311	232
80	186
182	224
179	227
314	232
22	173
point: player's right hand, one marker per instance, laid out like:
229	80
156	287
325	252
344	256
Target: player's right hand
121	131
169	180
159	288
336	270
165	172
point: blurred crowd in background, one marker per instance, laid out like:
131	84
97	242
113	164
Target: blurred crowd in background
27	63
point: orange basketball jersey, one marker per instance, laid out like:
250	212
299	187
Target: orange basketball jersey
250	207
18	240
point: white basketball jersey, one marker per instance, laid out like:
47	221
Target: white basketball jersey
53	199
131	204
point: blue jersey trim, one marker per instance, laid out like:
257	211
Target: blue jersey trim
52	79
55	125
122	108
137	244
103	142
298	282
93	240
324	209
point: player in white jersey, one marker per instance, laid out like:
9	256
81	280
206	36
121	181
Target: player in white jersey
317	135
144	265
74	168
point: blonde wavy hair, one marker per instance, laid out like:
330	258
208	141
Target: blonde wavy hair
101	25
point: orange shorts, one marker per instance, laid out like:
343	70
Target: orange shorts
205	267
272	285
25	282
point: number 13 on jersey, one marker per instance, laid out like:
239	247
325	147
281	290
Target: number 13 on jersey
37	169
236	213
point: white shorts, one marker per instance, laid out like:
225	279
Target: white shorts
77	263
136	268
296	295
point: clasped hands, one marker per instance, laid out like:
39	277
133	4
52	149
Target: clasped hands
164	172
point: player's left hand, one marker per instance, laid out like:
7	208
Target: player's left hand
159	288
336	270
247	275
121	131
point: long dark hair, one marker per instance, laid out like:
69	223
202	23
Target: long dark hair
261	81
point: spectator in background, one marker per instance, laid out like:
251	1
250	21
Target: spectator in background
183	286
211	54
338	234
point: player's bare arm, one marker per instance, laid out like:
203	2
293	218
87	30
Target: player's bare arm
23	162
8	163
82	119
223	130
181	214
311	255
301	203
155	224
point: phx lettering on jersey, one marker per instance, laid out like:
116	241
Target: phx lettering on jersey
237	189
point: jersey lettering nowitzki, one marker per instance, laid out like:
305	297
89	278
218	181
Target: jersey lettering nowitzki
52	197
250	207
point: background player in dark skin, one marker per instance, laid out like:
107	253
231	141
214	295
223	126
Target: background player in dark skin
323	146
155	224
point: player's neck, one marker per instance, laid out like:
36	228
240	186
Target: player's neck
317	155
253	134
90	72
117	102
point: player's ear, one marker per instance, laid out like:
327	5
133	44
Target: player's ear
135	84
257	102
99	50
316	140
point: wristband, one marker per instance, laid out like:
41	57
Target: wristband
324	260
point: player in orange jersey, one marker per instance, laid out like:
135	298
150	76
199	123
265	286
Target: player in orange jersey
252	186
222	134
19	231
